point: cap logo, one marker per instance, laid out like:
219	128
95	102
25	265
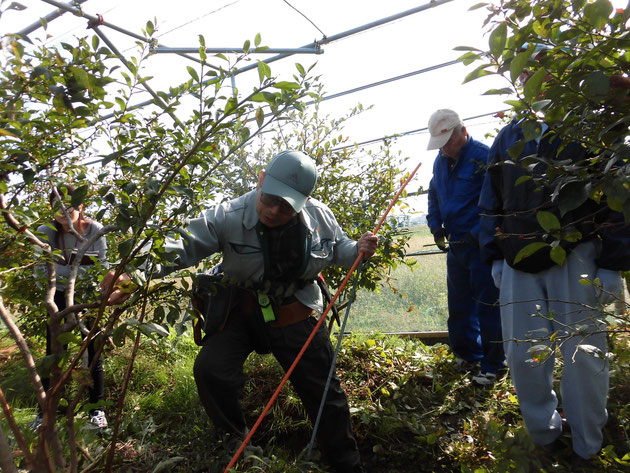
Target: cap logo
293	177
444	130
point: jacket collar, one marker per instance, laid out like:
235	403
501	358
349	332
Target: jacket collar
250	217
462	152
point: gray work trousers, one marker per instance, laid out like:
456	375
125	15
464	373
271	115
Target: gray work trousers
220	380
567	305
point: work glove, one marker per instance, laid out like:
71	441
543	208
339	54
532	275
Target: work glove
497	272
610	286
440	240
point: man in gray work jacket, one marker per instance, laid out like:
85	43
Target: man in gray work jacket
276	239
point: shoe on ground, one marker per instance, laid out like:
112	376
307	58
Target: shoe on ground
484	378
579	464
98	419
465	366
554	448
36	423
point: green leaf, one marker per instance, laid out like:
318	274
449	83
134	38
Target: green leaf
193	73
246	46
257	40
264	97
285	85
522	179
529	250
150	328
231	105
531	129
558	255
264	71
125	247
596	85
504	91
150	28
517	66
540	105
572	195
7	133
477	73
597	13
498	37
118	336
81	77
78	196
466	48
534	83
468	58
260	116
69	337
516	149
183	190
548	221
572	237
300	69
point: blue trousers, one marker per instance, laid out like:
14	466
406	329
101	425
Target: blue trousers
474	321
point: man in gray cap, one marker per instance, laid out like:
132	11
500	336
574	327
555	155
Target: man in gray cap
474	323
275	240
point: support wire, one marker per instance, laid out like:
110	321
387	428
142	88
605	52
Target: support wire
333	364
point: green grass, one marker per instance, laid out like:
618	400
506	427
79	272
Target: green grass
411	411
413	299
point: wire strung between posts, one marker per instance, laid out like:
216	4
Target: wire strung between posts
274	396
333	365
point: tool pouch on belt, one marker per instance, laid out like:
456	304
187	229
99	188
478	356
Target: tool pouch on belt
212	299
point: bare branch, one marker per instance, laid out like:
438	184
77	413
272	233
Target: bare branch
26	353
6	457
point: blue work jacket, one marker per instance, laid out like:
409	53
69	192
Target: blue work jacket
512	209
454	194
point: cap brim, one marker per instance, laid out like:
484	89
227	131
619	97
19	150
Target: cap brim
436	142
275	187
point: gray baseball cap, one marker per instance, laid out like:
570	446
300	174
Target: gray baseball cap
292	176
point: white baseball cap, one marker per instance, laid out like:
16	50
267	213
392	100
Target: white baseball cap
441	126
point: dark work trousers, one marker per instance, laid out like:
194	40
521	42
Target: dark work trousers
97	392
474	320
220	380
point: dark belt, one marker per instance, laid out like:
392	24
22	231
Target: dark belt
290	314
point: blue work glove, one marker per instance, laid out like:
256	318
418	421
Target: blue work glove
610	285
440	240
497	272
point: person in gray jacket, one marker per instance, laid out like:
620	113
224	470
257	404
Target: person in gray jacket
275	240
61	235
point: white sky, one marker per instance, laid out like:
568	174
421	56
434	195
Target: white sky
418	41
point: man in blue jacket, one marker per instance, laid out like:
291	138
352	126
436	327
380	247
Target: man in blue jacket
474	325
546	304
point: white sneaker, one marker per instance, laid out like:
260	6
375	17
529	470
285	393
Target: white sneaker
484	378
98	419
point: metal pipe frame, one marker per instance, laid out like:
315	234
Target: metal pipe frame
325	40
317	50
156	98
48	18
94	19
